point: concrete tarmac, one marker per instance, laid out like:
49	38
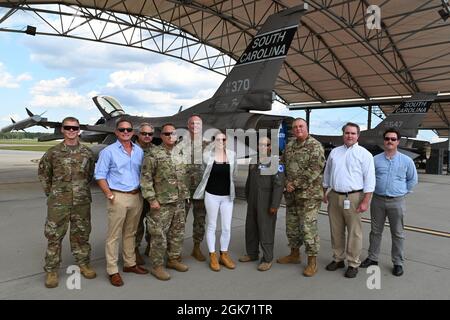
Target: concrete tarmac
22	216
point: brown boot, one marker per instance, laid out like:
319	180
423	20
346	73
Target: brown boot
51	279
87	271
160	273
197	253
139	260
225	259
294	257
311	268
177	265
213	263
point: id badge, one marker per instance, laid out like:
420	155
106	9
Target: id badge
346	204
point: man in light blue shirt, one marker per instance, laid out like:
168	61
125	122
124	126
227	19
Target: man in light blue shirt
118	172
396	175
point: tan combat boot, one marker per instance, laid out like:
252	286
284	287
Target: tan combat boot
160	273
197	253
294	257
51	279
177	265
264	266
225	259
139	260
247	258
311	268
87	271
213	263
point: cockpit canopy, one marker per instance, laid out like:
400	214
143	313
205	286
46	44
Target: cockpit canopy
108	106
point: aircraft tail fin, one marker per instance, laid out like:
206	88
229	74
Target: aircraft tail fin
250	83
408	117
29	112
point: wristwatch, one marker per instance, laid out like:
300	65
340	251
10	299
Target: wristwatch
111	197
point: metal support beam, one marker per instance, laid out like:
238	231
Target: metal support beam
448	152
308	116
322	52
395	67
369	117
125	29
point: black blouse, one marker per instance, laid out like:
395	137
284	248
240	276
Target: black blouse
219	179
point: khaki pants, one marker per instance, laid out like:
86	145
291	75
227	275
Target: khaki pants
123	219
341	219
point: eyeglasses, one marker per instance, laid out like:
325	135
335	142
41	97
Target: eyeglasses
221	139
125	129
390	138
72	128
167	134
147	134
264	144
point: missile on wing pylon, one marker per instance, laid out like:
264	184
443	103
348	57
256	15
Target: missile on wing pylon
23	124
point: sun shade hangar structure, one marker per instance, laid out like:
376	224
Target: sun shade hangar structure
344	49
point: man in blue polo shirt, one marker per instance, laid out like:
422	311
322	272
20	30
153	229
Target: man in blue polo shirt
396	175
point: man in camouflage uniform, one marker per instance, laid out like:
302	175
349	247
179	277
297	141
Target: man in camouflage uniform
164	186
65	172
144	140
304	160
193	146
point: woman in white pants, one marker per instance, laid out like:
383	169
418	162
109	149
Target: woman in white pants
217	188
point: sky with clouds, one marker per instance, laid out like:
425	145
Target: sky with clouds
60	76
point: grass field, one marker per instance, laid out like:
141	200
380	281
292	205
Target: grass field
27	144
27	148
27	141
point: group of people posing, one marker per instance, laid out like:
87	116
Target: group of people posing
150	189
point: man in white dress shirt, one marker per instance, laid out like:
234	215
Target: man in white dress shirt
350	174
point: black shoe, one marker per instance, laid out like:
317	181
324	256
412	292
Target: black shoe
397	271
351	272
333	266
367	263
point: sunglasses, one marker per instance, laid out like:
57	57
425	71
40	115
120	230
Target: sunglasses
147	134
265	144
125	129
389	138
71	128
167	134
221	139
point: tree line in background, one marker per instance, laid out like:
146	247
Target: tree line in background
22	135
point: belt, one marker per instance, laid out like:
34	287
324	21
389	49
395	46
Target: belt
127	192
387	197
346	193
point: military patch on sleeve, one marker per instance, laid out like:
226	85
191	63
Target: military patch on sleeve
280	168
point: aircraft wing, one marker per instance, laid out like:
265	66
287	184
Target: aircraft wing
97	128
410	154
38	120
34	120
